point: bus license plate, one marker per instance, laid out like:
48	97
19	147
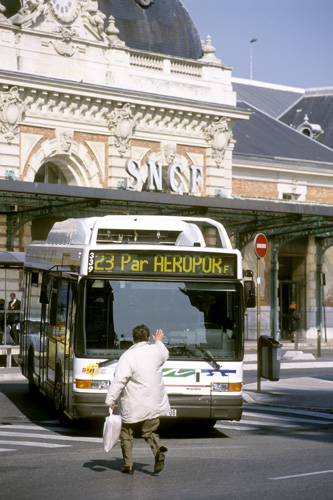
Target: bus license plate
171	413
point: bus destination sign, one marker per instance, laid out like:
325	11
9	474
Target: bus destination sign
162	264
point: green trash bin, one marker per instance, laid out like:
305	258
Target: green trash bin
270	358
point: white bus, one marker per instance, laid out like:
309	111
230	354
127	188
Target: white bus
93	280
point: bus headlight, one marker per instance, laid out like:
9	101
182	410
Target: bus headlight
99	385
218	387
231	387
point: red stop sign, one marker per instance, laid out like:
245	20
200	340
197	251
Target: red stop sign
260	245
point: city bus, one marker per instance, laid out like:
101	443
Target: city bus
94	279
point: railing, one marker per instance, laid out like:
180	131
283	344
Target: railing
147	62
156	63
186	69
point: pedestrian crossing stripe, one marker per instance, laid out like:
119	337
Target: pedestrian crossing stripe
35	444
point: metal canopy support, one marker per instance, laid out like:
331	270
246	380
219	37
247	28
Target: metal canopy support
319	295
280	220
22	202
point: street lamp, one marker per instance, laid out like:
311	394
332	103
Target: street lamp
251	44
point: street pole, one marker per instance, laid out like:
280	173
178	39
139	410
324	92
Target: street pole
258	328
251	43
323	283
260	247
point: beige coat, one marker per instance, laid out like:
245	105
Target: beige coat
138	383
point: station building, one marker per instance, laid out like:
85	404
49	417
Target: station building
121	106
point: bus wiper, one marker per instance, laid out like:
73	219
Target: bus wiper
181	348
106	362
208	356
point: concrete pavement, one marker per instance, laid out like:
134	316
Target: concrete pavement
307	392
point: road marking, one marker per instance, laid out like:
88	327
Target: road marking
303	475
285	417
7	449
276	409
35	444
50	436
236	427
37	428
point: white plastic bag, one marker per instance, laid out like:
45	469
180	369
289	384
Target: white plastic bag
111	431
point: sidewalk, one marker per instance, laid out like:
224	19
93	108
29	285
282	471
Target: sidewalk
309	392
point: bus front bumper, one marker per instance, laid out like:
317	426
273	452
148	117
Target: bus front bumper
206	407
187	407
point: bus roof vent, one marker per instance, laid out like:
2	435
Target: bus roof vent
185	235
139	236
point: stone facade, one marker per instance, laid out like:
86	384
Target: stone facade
75	98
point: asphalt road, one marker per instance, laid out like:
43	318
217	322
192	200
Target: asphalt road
271	453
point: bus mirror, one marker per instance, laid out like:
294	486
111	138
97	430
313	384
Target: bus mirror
249	294
46	290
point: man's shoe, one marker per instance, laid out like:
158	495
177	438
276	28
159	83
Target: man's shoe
127	470
160	459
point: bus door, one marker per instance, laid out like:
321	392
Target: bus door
68	358
57	313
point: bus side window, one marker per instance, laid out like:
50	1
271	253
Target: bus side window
46	290
53	311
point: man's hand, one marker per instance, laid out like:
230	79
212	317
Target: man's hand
158	335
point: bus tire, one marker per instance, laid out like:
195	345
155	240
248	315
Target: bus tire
59	399
58	395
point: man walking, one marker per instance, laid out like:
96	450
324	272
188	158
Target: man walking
13	317
142	399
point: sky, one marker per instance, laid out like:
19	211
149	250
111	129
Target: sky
294	38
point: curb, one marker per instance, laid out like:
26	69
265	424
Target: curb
295	365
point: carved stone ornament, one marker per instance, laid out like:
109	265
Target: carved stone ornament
65	47
94	17
144	3
31	11
219	136
169	153
65	140
65	11
112	33
122	123
11	110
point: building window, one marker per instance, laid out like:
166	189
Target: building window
49	173
290	196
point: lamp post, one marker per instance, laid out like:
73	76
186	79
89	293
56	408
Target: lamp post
251	44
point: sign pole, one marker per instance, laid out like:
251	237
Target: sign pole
260	248
258	328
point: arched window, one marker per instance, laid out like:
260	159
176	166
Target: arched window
49	173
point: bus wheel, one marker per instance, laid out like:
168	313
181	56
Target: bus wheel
59	400
58	396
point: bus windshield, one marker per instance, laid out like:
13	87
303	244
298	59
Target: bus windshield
199	320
